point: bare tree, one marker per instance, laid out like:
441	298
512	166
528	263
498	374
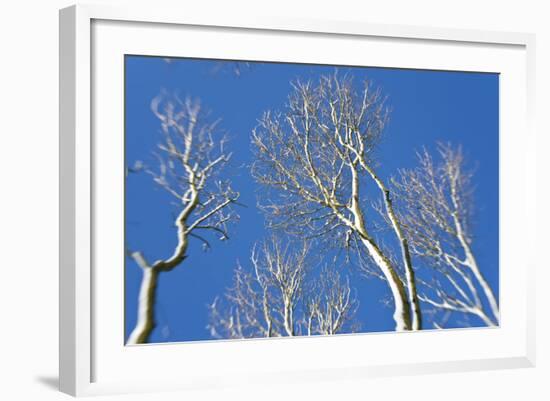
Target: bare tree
330	304
436	210
279	297
190	157
317	156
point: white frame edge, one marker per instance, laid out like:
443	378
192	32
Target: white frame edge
75	341
75	205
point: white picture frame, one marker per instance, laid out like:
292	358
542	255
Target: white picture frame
86	61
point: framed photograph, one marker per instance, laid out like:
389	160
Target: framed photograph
337	199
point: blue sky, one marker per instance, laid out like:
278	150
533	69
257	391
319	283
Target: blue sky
427	106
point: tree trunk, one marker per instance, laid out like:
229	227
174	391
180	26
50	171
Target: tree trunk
146	303
402	313
405	252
